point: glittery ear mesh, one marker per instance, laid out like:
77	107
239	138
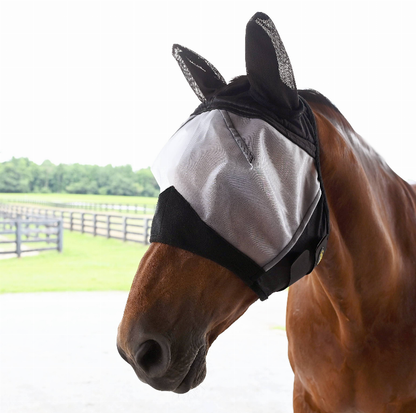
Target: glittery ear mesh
285	68
201	75
187	74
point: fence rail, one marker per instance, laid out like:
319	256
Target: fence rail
94	206
125	228
29	229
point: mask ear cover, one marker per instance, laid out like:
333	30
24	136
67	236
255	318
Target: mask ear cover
204	79
268	92
269	71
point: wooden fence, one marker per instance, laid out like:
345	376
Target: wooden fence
125	228
144	209
30	229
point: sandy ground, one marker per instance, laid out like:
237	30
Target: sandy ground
58	354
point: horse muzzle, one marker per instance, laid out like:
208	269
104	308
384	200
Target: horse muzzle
157	363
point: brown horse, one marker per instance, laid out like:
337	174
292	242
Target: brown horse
351	323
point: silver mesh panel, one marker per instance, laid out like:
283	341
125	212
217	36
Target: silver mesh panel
247	181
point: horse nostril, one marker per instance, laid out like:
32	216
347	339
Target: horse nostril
153	358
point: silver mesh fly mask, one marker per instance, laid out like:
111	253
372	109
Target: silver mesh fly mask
240	180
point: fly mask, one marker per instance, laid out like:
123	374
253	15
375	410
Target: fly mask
240	180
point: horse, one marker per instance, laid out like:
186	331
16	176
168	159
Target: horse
351	320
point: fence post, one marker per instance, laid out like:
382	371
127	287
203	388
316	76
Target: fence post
146	230
124	228
60	235
94	223
27	228
18	237
82	222
108	225
71	220
48	236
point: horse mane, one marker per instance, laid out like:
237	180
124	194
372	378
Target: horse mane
321	104
313	96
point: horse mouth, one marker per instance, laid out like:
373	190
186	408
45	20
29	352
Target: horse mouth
196	373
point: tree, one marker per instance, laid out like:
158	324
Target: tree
146	180
15	175
22	175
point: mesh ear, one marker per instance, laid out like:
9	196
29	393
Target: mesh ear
268	66
201	75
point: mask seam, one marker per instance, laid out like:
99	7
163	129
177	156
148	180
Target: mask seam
237	137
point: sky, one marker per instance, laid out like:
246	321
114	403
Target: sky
94	82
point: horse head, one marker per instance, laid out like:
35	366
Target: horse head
242	212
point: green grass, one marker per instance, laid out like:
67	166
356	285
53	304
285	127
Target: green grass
281	328
86	264
104	199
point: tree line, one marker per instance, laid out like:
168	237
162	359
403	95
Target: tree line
20	175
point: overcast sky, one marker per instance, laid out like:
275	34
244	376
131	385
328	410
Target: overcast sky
94	81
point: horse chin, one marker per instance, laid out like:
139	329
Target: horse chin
196	373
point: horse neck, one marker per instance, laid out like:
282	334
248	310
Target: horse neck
370	253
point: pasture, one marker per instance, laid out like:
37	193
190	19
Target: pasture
86	264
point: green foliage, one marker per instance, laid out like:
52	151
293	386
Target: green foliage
20	175
16	175
147	183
